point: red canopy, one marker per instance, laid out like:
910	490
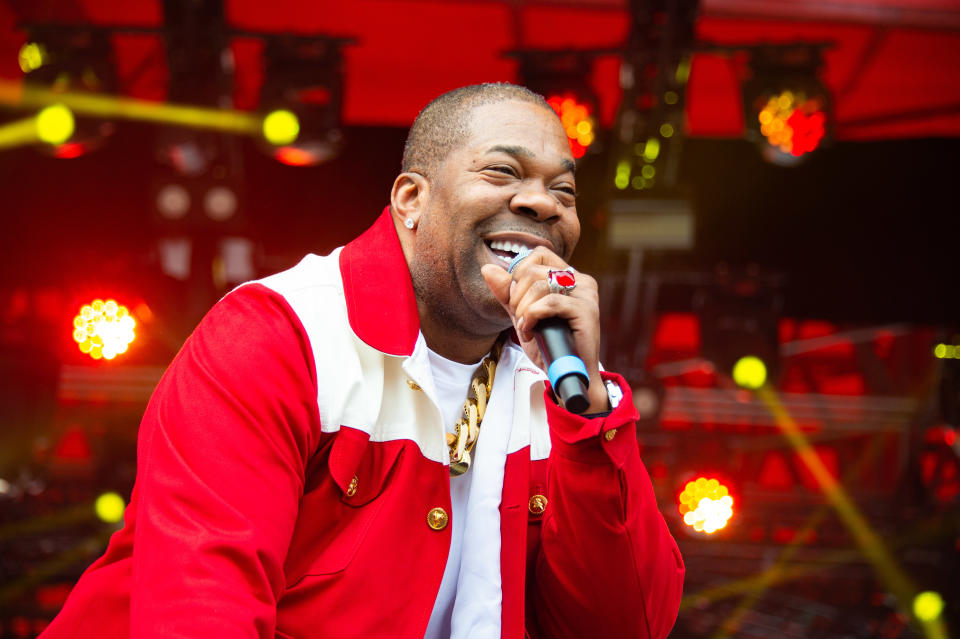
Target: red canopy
894	69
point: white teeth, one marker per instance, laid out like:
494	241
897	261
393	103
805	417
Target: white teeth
512	247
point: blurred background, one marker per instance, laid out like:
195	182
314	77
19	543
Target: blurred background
768	201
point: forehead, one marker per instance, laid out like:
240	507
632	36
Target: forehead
513	123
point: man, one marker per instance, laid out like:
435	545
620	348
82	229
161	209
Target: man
295	462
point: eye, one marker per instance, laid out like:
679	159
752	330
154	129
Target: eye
506	169
569	190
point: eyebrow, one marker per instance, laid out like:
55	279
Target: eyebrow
522	151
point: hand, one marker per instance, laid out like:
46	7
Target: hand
527	299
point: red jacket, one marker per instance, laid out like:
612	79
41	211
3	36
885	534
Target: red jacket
284	484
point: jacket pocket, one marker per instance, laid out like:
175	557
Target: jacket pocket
341	501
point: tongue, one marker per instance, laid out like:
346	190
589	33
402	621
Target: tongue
507	255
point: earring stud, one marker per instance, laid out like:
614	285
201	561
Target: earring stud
408	222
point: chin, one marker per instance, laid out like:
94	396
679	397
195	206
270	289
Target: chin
490	313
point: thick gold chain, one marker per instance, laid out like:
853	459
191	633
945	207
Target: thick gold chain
474	408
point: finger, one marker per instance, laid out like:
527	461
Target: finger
529	291
532	270
499	282
578	312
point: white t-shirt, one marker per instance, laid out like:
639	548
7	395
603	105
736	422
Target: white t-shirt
451	381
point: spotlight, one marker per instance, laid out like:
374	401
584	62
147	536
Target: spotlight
103	329
109	507
946	351
706	505
281	127
173	201
786	104
302	96
750	372
928	605
32	56
202	182
220	203
561	77
75	61
793	123
578	122
55	124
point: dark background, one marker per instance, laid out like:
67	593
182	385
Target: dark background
863	231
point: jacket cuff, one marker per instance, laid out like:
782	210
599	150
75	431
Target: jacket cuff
598	440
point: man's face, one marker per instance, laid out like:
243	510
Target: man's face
509	185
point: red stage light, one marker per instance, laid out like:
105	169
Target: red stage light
69	150
578	122
293	156
793	123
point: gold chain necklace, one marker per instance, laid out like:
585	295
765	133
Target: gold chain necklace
474	408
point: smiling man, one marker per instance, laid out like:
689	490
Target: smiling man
366	445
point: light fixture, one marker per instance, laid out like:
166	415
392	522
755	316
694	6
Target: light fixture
749	372
74	61
103	329
562	78
787	107
706	505
578	122
302	99
109	507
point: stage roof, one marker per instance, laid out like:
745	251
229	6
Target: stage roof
893	68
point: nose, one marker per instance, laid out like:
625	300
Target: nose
533	200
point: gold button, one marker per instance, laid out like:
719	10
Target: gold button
413	385
437	518
537	504
352	488
610	434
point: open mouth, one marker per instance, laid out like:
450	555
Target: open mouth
506	250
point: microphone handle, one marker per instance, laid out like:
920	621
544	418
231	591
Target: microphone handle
567	372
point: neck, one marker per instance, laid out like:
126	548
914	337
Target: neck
446	341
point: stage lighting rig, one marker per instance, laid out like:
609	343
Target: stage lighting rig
71	60
653	75
302	98
787	107
562	77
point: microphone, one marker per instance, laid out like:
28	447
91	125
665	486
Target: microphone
567	372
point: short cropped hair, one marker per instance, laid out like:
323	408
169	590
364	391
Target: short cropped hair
444	123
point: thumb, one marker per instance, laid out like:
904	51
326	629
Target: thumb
498	280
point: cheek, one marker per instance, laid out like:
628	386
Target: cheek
571	234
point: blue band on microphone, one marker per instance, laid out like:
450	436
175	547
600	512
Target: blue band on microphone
563	366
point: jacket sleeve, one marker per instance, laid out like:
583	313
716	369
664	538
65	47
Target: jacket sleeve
222	453
607	565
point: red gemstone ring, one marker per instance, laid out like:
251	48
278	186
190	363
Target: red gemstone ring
561	281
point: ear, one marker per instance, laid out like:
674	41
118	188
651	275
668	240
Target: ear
407	199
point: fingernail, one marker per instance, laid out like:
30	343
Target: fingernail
513	285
